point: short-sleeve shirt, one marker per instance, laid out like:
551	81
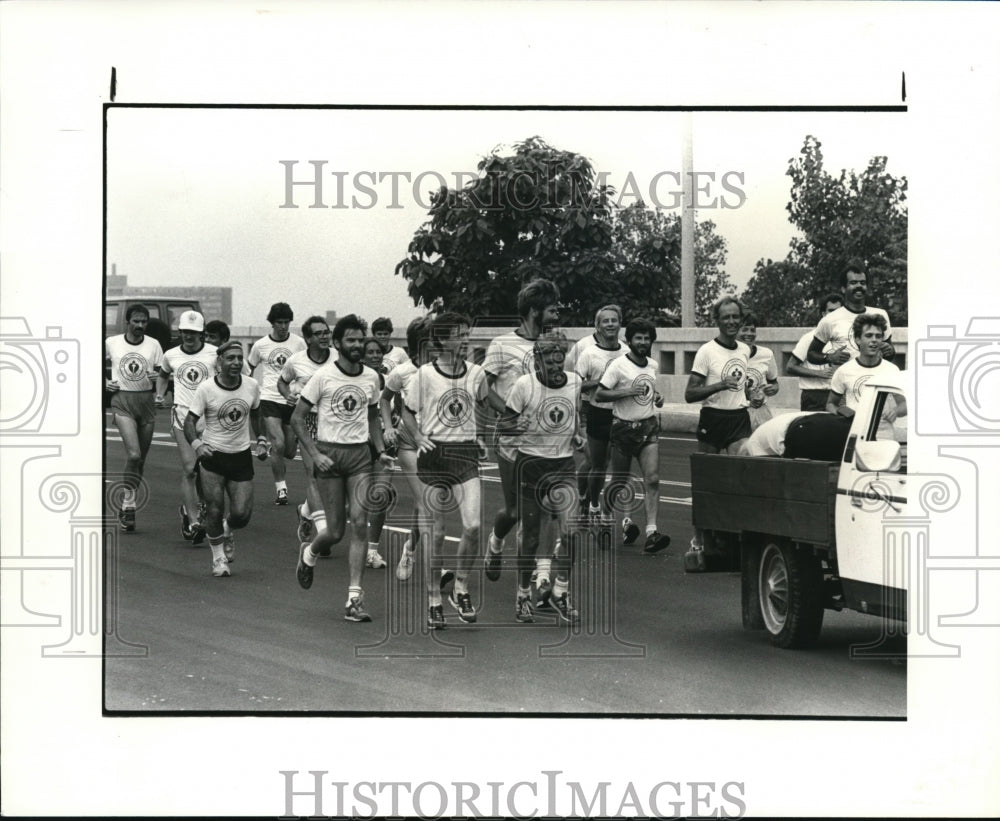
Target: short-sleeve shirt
395	357
300	367
189	370
715	362
548	414
801	352
226	412
769	438
761	369
508	358
400	379
835	328
445	405
851	377
271	356
132	363
623	373
593	361
341	401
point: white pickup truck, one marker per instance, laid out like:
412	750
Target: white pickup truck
811	535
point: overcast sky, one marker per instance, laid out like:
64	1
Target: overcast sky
195	195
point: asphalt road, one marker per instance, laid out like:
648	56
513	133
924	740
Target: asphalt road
653	640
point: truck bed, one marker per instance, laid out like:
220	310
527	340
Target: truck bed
793	498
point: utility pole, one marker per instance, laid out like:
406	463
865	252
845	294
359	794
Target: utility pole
687	228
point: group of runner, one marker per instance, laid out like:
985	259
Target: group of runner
558	419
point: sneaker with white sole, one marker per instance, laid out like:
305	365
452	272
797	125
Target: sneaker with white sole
220	567
655	542
303	571
374	560
523	610
435	617
631	530
405	567
462	602
566	612
355	610
281	497
543	594
126	519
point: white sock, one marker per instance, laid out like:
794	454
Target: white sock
544	569
650	529
309	557
354	593
280	486
319	521
560	588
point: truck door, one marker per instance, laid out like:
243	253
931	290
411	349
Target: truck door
871	504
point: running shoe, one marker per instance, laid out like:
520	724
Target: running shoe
655	542
303	572
374	560
405	567
631	531
447	577
435	617
126	519
305	529
198	534
220	567
355	610
282	497
523	611
566	612
544	592
229	546
462	602
186	530
494	558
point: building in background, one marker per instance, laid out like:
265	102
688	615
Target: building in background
216	303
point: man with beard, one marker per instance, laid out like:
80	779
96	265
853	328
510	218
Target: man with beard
295	373
814	380
345	394
229	405
135	360
833	334
508	358
629	383
271	352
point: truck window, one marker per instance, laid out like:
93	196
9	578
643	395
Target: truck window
111	318
174	312
890	410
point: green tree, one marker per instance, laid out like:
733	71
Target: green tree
850	217
539	212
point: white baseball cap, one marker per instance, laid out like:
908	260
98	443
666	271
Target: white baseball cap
191	321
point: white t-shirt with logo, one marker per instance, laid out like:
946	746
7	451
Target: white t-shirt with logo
132	363
508	358
834	329
624	373
189	370
271	356
226	412
592	364
341	401
548	415
851	377
446	405
395	357
715	362
761	369
300	367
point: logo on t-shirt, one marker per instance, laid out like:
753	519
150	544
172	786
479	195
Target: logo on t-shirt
192	374
755	380
277	357
454	408
133	367
233	413
859	386
648	386
555	414
738	368
348	403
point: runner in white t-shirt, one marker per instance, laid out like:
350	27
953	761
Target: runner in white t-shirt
392	355
762	372
814	380
833	341
345	394
447	396
629	384
229	406
135	360
192	362
267	357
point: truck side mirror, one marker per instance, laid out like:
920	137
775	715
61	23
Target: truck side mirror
881	455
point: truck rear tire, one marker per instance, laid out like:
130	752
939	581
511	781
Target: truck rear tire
790	592
750	586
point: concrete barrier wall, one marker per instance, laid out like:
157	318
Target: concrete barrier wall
674	352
